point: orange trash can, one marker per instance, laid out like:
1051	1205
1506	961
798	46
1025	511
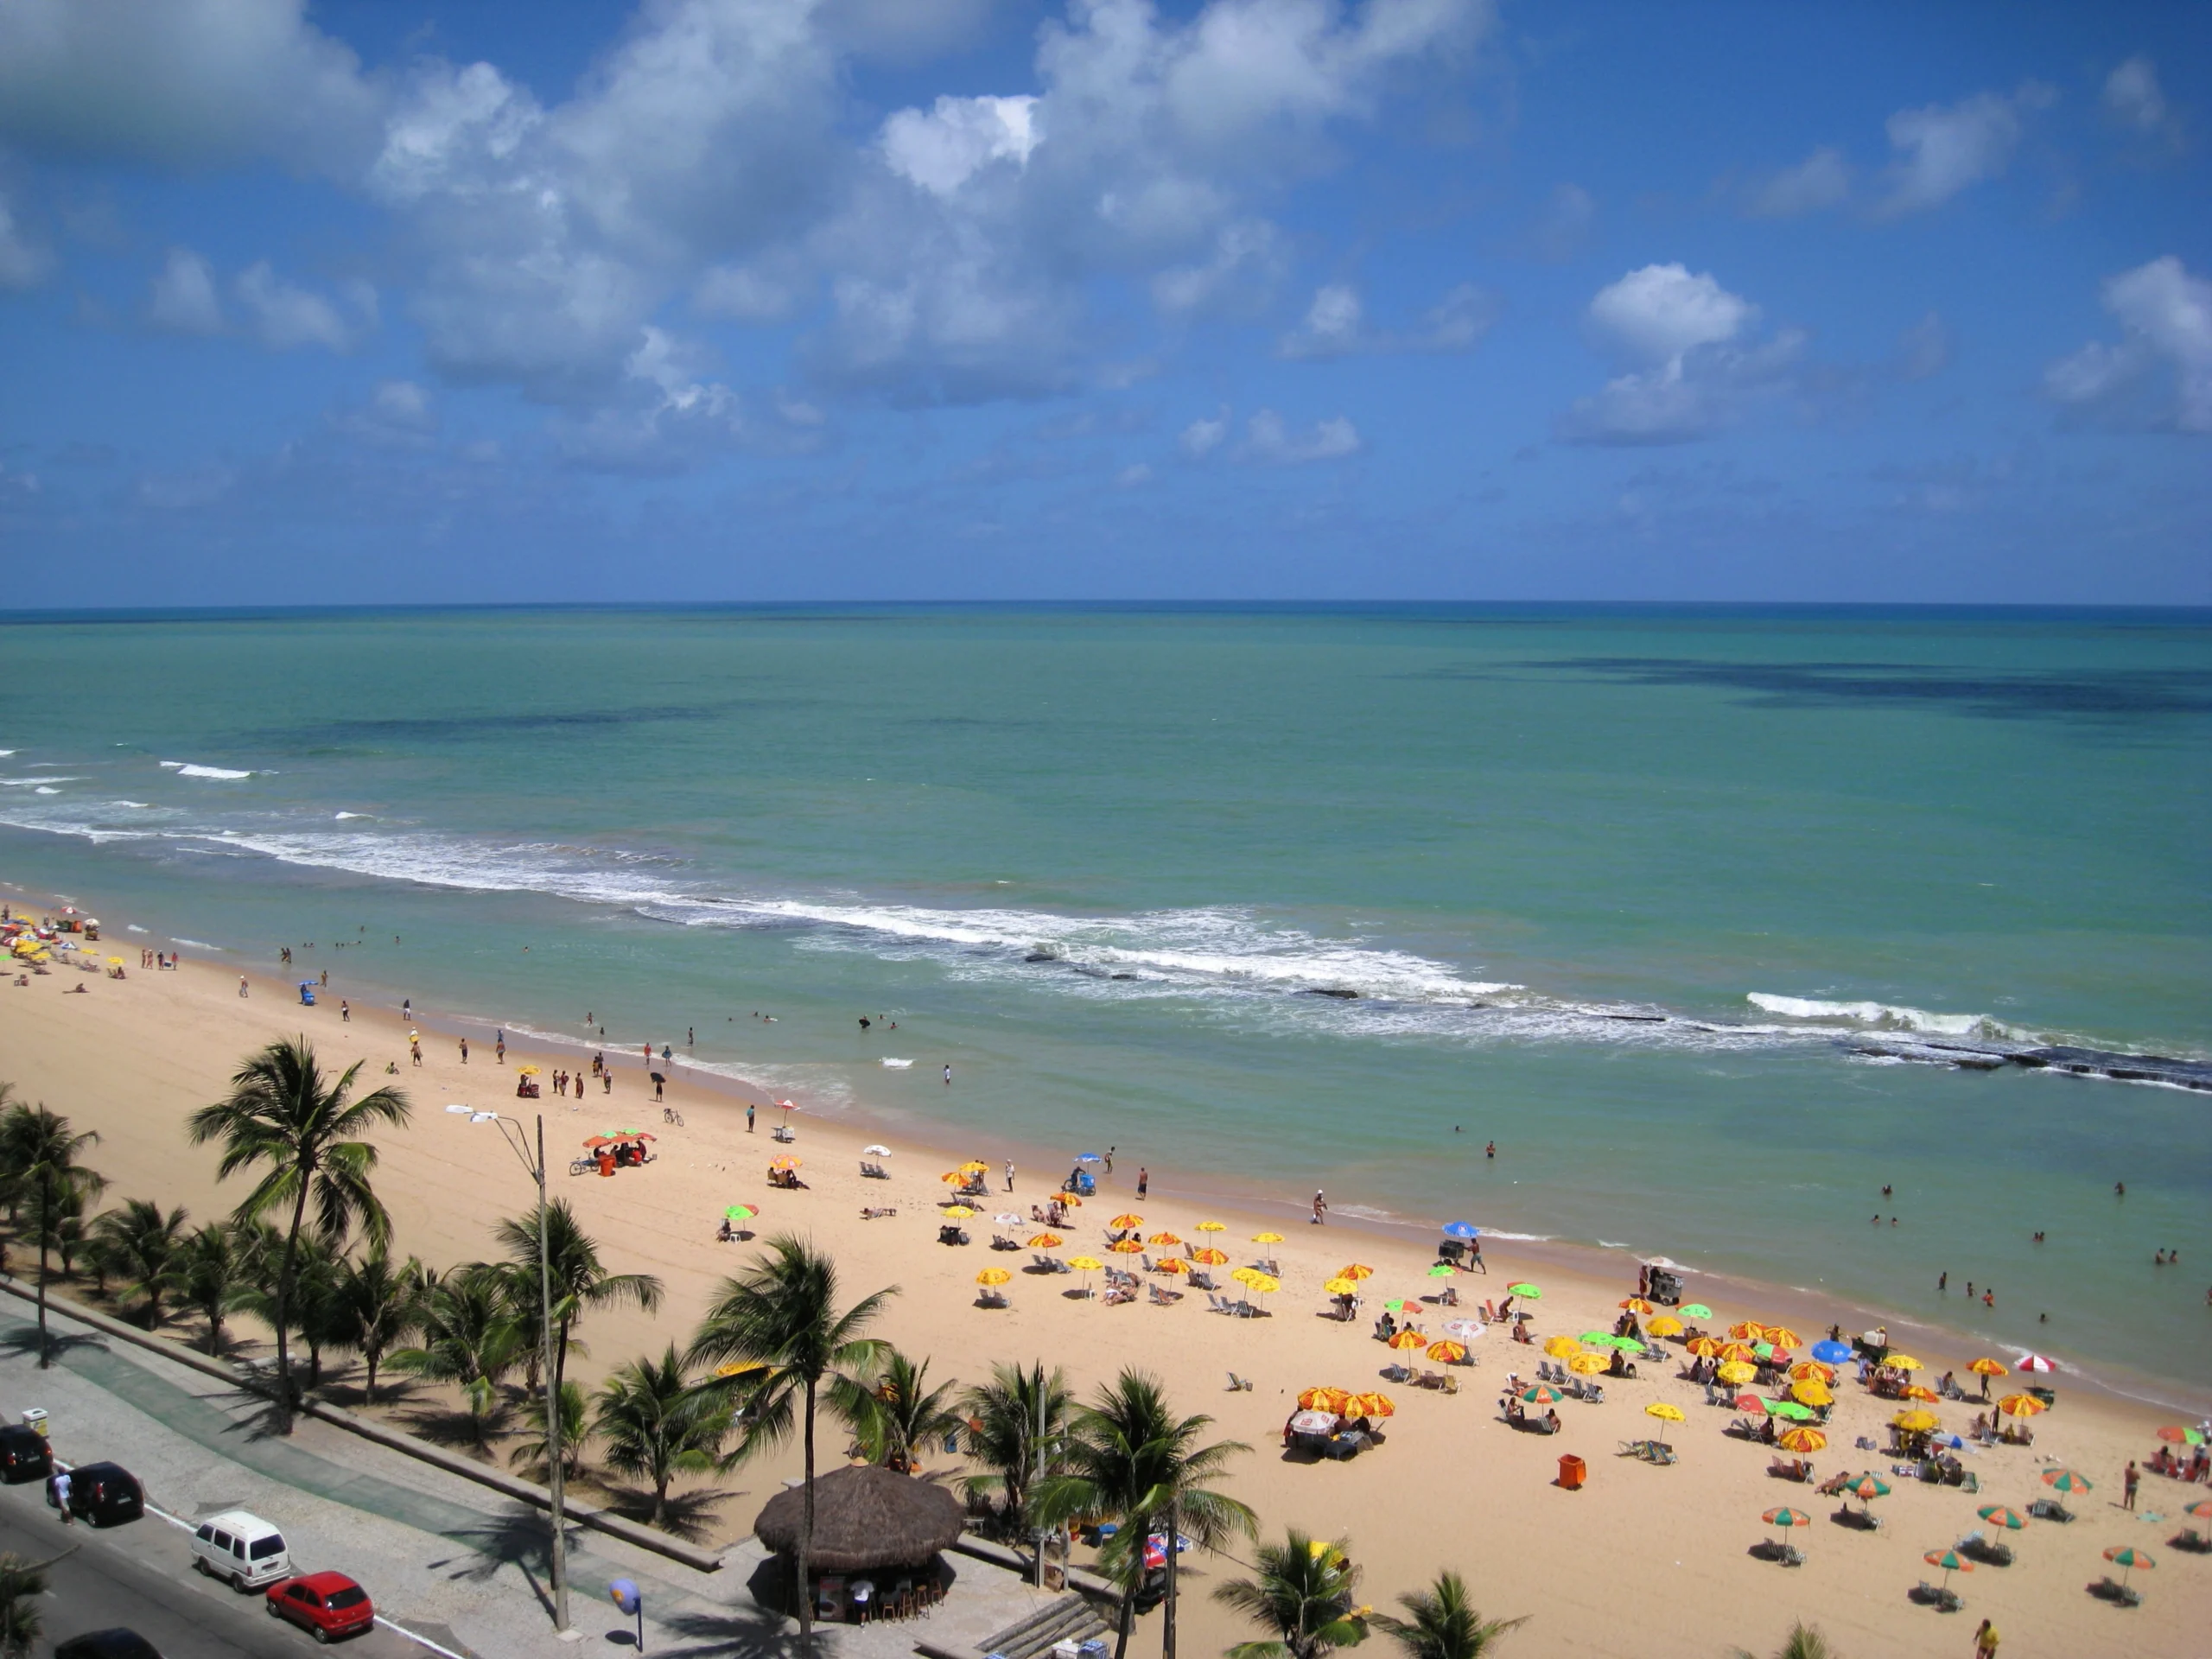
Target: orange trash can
1572	1472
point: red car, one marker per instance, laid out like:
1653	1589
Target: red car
327	1606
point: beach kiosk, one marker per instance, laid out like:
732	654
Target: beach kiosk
877	1538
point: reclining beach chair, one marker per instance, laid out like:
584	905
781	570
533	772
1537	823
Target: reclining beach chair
1161	1298
1594	1393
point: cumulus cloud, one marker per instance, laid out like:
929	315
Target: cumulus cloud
2159	373
184	300
1944	149
1684	343
1202	437
941	150
1335	325
183	83
1822	180
24	262
398	414
1269	441
2133	98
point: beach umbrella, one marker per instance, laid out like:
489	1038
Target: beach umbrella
1370	1405
1341	1286
1801	1441
975	1166
1637	1305
1789	1408
1167	1240
1786	1518
1695	1311
1465	1330
1328	1400
1542	1394
875	1152
1266	1284
1833	1352
1356	1270
1089	1158
1606	1338
1213	1227
1703	1347
1461	1229
2065	1480
952	1178
1950	1560
1782	1336
1903	1362
993	1276
741	1212
1171	1264
2128	1558
1811	1370
1747	1330
1442	1270
786	1162
1916	1422
1525	1290
1085	1263
1047	1242
1071	1200
1999	1515
1666	1325
956	1212
1664	1412
1267	1238
2034	1362
1742	1352
525	1071
1409	1338
1813	1392
1558	1347
1007	1218
1987	1367
1749	1402
2200	1512
1127	1247
1447	1353
1868	1487
1126	1221
1396	1305
1587	1365
1210	1258
739	1368
2182	1436
2020	1405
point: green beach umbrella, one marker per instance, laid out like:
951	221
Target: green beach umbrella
1442	1270
1999	1516
2128	1558
1787	1518
741	1212
1695	1311
1789	1408
2065	1480
1763	1350
1868	1487
1542	1395
1398	1305
1950	1560
1527	1290
1595	1337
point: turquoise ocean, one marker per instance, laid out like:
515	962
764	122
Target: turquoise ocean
1679	907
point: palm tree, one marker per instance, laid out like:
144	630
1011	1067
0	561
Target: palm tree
579	1281
1017	1423
468	1339
1444	1624
657	1425
530	1455
146	1250
1304	1594
1131	1459
216	1276
1803	1641
38	1157
22	1584
379	1306
897	1415
781	1314
283	1113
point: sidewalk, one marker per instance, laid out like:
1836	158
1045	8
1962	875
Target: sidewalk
442	1556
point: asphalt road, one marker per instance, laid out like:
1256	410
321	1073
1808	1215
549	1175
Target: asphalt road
140	1575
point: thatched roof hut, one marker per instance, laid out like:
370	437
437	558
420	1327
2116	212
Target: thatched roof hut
864	1519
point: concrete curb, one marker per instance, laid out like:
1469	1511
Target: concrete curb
523	1491
1089	1586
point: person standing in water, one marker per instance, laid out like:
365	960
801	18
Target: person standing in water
948	1077
1320	1209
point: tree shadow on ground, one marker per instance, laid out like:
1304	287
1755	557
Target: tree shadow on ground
21	1341
690	1516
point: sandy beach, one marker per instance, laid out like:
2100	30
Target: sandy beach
1652	1559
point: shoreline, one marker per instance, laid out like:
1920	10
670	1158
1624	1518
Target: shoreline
1592	1264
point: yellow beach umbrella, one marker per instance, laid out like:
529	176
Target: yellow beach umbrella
1703	1347
1739	1350
975	1166
956	1211
789	1162
525	1071
1167	1240
1068	1199
1267	1238
1329	1400
1587	1365
1736	1372
1356	1270
1409	1338
1342	1286
1747	1330
1664	1412
952	1178
1085	1263
1210	1258
1253	1279
1047	1242
1173	1264
2020	1405
1637	1304
1561	1347
1447	1353
1916	1422
1987	1367
1213	1226
1812	1393
1811	1370
1903	1363
1665	1325
1370	1405
1782	1336
1127	1247
1914	1391
1131	1220
993	1276
1801	1441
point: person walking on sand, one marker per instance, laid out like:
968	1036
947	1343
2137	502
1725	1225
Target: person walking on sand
464	1050
1320	1209
2130	1481
500	1049
1009	1174
241	984
1144	1179
346	1013
1985	1641
748	1117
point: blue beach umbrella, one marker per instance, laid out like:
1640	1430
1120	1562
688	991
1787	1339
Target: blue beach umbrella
1089	1158
1461	1229
1832	1353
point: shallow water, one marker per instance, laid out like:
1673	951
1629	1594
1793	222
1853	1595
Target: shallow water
1119	869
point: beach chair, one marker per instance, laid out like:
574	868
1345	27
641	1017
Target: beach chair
1593	1394
2049	1509
1450	1383
2114	1590
1201	1279
1004	1242
1935	1596
1164	1297
1239	1384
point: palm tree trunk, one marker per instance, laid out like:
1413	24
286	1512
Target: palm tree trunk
283	1307
660	1499
369	1356
806	1532
1168	1614
1127	1622
45	1217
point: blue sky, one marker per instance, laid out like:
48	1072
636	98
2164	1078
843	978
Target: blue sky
1009	299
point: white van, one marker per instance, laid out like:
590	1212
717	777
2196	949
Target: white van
241	1548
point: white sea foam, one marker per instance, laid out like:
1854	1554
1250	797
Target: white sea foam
43	790
895	1065
32	782
1882	1016
342	817
196	944
132	927
187	769
138	807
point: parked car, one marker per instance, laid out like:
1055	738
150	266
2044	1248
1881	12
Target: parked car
106	1494
24	1454
241	1548
327	1606
117	1644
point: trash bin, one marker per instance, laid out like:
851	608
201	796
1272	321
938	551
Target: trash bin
1572	1472
34	1417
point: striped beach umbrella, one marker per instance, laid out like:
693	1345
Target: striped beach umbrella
1999	1514
2065	1480
2128	1558
1801	1441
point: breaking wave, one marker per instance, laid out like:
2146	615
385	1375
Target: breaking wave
1881	1016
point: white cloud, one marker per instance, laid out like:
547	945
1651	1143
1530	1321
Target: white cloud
1201	438
1822	180
24	263
743	294
942	150
2160	373
2134	98
1335	325
181	83
1682	340
1332	327
1131	476
184	300
284	317
399	414
1268	441
1944	149
1247	261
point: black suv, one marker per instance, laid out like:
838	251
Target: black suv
108	1644
24	1454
